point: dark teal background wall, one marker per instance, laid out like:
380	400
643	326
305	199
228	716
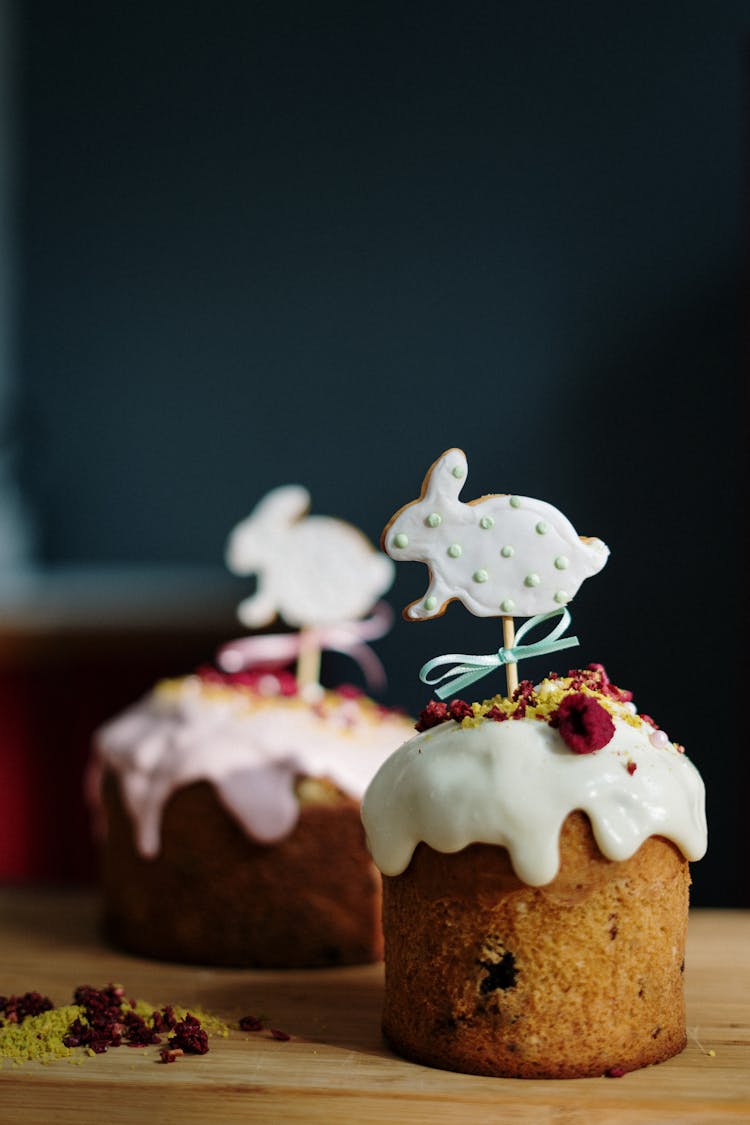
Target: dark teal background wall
322	242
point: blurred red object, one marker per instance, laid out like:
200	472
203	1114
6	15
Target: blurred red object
62	674
54	693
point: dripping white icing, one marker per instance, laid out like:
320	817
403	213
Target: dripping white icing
514	783
251	748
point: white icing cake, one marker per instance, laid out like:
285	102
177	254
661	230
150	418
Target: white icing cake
252	745
514	782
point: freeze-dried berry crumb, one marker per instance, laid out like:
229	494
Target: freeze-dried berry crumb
459	709
77	1034
632	767
432	715
137	1031
190	1036
104	1026
164	1019
251	1023
16	1008
496	714
583	723
595	676
101	1004
256	679
615	1072
277	1033
525	692
349	691
170	1054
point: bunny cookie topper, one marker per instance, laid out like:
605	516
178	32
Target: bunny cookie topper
319	574
312	571
499	555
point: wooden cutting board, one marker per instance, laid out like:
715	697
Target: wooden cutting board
335	1068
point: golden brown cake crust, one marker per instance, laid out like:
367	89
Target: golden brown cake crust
214	896
487	975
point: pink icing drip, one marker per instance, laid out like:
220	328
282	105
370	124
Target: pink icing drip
252	750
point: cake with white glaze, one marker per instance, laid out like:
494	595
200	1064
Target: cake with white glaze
536	883
535	845
228	808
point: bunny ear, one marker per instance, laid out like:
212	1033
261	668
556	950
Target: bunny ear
281	507
276	512
446	477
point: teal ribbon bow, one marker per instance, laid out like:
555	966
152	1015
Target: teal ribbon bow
468	669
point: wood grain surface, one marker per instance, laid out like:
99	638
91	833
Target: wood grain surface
336	1068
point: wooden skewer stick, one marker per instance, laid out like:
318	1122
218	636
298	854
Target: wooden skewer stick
308	661
509	639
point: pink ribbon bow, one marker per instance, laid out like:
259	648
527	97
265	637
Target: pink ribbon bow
276	650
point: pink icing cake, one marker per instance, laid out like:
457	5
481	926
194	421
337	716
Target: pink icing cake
228	809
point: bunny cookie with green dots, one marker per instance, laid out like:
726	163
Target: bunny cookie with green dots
498	555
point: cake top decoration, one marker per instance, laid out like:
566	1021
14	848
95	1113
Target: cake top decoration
311	570
318	574
499	555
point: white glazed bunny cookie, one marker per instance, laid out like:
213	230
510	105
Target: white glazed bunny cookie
498	555
311	570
